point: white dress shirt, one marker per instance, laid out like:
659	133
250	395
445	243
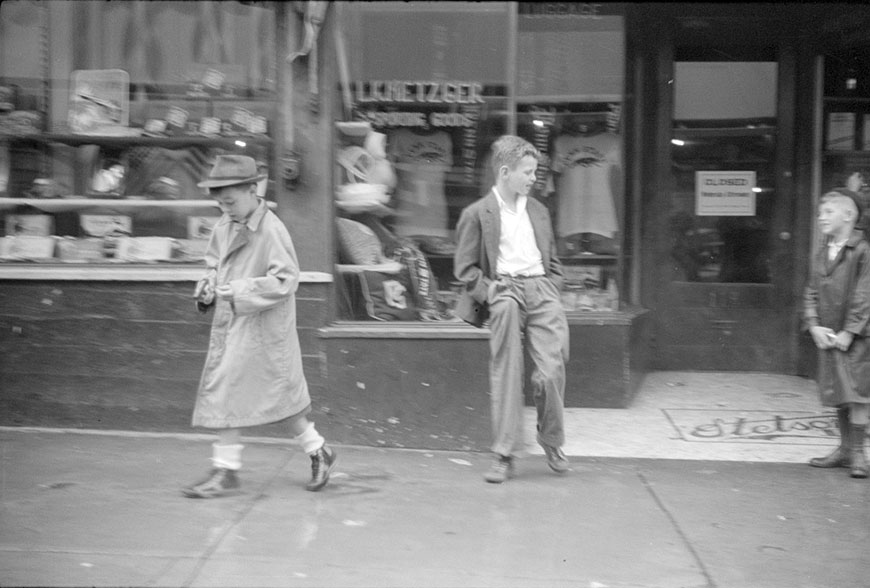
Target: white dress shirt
834	248
518	253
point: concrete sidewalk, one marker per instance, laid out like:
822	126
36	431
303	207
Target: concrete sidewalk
701	482
104	509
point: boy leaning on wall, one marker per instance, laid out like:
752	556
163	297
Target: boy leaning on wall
836	313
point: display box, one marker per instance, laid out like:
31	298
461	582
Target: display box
176	117
99	101
200	227
103	225
89	249
214	80
144	249
244	117
26	248
191	250
37	225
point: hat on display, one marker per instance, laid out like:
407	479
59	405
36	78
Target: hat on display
231	170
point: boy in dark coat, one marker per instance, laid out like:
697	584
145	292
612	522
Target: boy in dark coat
836	312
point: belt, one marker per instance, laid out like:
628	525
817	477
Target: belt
520	277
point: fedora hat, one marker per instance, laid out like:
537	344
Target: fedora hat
231	170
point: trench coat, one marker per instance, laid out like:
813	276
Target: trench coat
474	262
837	296
253	370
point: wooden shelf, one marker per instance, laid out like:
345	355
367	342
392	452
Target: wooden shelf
562	99
854	99
65	204
725	132
174	142
581	259
846	153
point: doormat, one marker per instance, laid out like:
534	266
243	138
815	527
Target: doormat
753	426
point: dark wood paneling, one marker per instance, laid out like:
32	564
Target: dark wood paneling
687	294
116	355
415	393
702	326
121	300
722	358
98	332
607	363
102	361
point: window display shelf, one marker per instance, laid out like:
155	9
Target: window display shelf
562	98
67	204
724	132
122	272
120	141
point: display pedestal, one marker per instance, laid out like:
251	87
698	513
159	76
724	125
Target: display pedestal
609	358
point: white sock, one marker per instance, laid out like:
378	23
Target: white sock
310	440
227	456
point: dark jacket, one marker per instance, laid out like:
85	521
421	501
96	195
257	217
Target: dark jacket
837	296
474	263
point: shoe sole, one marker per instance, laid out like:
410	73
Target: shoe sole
826	466
192	494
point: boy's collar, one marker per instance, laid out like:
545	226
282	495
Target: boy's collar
254	220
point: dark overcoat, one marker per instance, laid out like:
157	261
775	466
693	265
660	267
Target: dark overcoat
837	296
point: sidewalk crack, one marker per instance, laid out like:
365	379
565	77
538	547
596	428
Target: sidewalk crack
229	525
685	539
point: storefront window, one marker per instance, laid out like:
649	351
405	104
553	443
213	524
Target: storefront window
845	126
430	81
111	112
571	75
428	104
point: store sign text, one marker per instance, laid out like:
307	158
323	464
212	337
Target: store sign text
725	193
418	119
575	9
421	92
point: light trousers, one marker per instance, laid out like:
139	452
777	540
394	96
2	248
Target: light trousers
526	317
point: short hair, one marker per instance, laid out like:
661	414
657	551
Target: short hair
509	150
845	200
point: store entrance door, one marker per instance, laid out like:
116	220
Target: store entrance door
726	301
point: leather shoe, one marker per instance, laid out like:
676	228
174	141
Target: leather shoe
322	462
502	469
219	482
839	458
556	458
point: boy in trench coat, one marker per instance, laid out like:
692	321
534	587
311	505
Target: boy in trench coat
253	370
836	313
506	259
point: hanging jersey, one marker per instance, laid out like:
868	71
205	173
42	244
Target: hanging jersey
422	162
584	191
